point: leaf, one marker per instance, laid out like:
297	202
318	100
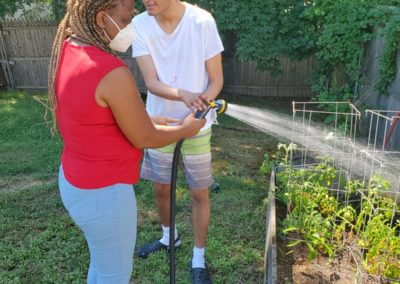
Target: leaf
294	243
290	229
312	251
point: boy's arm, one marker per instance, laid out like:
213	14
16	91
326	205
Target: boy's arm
215	77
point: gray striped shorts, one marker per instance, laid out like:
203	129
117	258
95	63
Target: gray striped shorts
196	156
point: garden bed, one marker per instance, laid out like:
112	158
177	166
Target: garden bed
297	268
345	254
337	198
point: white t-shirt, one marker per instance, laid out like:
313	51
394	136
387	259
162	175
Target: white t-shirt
179	57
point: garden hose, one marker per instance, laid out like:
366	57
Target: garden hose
220	106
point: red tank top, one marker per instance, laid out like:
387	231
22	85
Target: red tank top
96	153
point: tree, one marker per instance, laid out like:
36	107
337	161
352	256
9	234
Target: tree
58	8
9	7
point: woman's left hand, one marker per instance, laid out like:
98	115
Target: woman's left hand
163	120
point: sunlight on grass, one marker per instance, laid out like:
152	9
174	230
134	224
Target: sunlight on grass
9	108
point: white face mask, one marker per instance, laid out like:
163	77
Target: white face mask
123	39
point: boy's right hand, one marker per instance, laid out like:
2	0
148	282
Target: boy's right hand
192	125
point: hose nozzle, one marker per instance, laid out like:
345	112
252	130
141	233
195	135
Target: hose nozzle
219	105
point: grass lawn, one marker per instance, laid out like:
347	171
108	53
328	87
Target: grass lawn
40	244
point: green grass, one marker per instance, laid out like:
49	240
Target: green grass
40	244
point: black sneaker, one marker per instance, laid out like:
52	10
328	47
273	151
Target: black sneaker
200	275
146	250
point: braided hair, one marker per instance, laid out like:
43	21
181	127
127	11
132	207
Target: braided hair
79	21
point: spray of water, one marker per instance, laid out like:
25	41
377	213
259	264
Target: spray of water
275	124
319	140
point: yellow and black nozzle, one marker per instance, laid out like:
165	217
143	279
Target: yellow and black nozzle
219	105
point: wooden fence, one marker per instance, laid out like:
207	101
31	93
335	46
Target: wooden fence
28	47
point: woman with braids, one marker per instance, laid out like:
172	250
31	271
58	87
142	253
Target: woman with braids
103	122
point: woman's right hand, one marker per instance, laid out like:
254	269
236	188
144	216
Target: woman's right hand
192	125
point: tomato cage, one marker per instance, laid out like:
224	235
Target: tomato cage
380	154
338	197
325	129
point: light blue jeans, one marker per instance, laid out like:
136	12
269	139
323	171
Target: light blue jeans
108	218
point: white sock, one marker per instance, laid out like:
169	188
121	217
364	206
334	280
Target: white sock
198	257
165	238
